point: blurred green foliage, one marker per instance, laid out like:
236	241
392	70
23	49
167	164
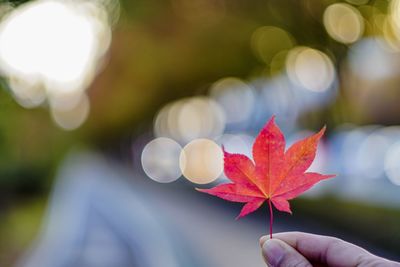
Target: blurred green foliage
19	226
30	148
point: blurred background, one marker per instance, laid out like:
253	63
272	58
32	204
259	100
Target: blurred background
113	111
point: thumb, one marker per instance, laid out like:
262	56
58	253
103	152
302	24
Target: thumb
277	253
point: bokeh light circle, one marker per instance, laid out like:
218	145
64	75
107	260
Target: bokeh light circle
310	69
369	157
391	26
394	14
267	41
239	143
369	60
160	160
187	119
27	92
48	27
74	116
201	161
50	48
343	23
235	97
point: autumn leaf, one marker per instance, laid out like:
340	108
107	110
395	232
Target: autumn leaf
275	175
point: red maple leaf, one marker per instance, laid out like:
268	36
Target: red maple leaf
275	176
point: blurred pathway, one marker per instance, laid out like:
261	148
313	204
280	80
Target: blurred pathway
102	215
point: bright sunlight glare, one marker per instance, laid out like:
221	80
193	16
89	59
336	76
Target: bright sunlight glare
53	47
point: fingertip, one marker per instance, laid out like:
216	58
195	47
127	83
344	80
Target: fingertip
277	253
273	252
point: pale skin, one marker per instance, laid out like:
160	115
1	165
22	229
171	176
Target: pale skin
297	249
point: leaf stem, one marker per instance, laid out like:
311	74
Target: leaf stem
271	218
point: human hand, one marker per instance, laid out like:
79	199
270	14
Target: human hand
306	250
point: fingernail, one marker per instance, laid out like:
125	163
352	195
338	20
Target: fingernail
273	252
